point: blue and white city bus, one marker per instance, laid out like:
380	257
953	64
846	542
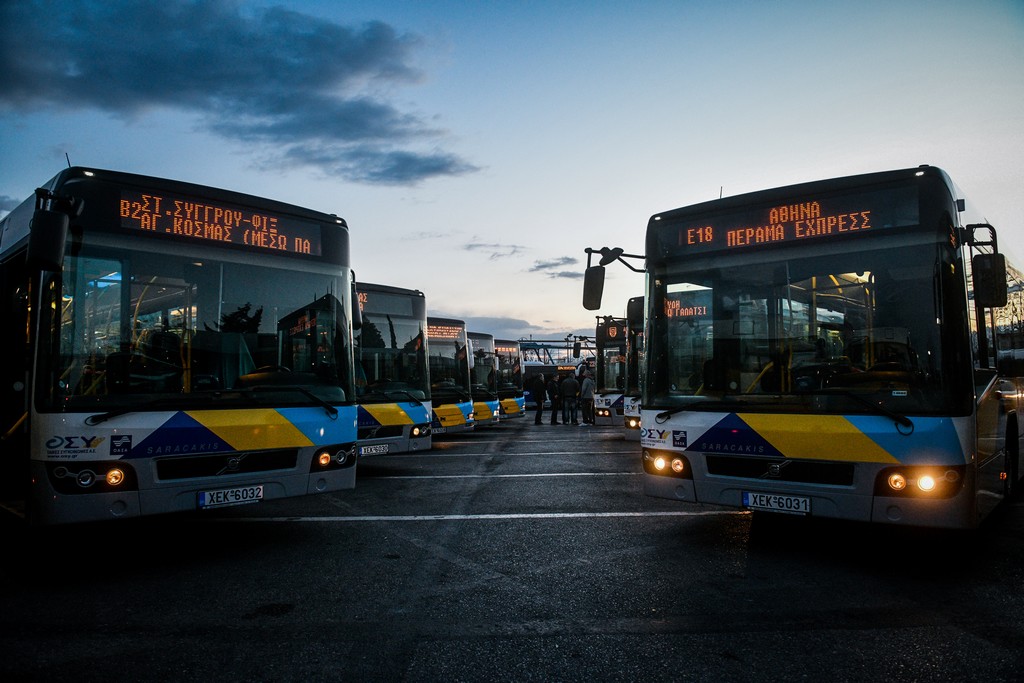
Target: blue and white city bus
634	367
392	376
510	379
180	347
848	348
484	378
449	362
610	381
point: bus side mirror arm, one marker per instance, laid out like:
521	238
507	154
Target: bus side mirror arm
593	277
357	310
48	231
988	270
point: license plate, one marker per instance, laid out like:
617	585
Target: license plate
236	496
373	450
794	505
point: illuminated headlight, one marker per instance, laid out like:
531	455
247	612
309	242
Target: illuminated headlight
415	430
666	463
633	423
334	456
115	476
920	481
93	477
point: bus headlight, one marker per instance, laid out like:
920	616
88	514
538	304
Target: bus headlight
333	457
666	463
920	481
92	477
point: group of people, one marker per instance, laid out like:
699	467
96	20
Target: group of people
567	394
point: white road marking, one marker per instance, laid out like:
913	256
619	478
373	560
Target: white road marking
510	516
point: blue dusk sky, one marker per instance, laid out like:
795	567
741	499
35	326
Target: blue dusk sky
476	149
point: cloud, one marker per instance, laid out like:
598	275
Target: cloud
496	250
7	204
552	268
312	89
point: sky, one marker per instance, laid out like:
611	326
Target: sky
477	149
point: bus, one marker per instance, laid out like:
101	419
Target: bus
392	377
180	347
484	373
510	379
847	348
634	364
610	373
448	362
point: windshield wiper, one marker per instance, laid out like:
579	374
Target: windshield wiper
177	402
331	411
700	405
898	418
412	399
389	393
187	401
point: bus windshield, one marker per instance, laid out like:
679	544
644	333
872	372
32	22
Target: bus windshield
809	328
392	359
146	328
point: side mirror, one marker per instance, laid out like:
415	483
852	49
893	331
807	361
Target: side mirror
593	287
357	311
48	232
988	272
635	310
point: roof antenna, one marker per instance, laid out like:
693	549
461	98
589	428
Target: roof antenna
720	187
68	158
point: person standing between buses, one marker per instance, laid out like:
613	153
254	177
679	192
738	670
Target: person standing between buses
587	398
570	392
538	387
555	398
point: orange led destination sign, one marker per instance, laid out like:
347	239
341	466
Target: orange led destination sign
795	222
385	303
445	331
676	309
207	221
789	222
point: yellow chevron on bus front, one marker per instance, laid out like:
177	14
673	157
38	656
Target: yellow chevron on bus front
387	413
252	429
800	436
